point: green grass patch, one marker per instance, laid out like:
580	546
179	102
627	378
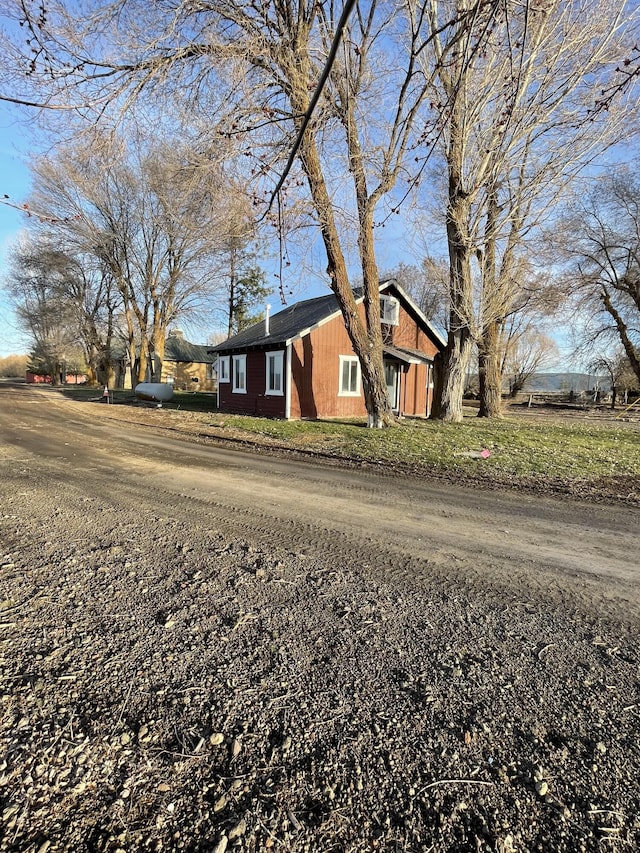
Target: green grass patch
517	447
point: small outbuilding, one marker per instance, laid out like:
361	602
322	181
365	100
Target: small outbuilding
187	366
299	363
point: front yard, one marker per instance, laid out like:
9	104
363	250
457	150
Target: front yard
576	452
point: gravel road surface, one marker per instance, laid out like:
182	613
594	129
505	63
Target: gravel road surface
206	649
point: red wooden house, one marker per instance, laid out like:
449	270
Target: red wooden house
299	363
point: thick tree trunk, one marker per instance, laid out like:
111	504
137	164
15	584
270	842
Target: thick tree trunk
490	373
489	353
92	375
455	359
515	388
632	353
93	364
449	389
375	391
93	346
55	373
450	377
158	343
142	363
106	374
232	291
129	379
376	396
375	385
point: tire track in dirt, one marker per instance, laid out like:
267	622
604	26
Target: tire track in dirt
405	527
353	671
449	561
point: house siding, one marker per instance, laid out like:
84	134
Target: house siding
413	399
255	401
182	375
315	369
415	396
409	334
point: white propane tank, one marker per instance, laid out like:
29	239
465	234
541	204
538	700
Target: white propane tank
155	392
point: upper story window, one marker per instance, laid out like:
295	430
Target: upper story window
224	368
349	376
275	373
389	310
239	377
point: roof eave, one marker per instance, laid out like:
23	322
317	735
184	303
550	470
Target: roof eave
302	334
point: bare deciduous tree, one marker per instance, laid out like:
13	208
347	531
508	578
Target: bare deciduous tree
38	286
526	354
361	128
516	119
347	84
52	279
338	87
13	366
600	242
615	365
154	222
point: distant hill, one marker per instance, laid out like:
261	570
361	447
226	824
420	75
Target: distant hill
566	382
556	383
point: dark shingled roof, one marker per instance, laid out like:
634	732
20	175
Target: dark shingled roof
179	350
284	325
296	319
176	349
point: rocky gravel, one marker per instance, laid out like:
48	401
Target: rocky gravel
166	685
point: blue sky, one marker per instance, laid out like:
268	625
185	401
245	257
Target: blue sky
14	182
15	148
306	273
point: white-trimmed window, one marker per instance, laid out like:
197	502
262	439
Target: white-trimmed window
239	375
275	373
224	368
349	376
389	310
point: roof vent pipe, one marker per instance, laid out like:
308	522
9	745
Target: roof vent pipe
266	321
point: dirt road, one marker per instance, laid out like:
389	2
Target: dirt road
208	649
398	521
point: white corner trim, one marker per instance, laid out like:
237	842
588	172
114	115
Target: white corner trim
287	384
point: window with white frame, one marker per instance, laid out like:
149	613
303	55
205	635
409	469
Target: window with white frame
275	373
349	376
389	310
239	376
224	368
